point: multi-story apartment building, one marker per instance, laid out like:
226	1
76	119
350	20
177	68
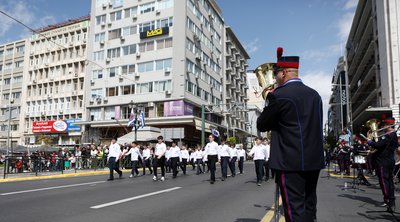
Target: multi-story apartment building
163	57
373	54
53	86
338	113
12	65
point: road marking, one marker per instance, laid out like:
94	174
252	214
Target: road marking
51	188
269	216
134	198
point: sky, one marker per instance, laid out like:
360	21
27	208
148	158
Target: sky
315	30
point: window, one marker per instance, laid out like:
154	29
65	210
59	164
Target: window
114	53
114	16
98	74
7	81
112	91
114	34
127	90
162	64
17	79
149	7
19	64
96	93
112	72
16	95
6	96
1	53
164	4
168	22
162	86
130	12
146	46
144	27
20	49
145	87
130	30
164	43
9	51
8	66
99	37
127	69
146	67
95	114
1	67
101	19
128	50
97	56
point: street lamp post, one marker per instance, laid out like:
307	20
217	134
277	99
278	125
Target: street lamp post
135	120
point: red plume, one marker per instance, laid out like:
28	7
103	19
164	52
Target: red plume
279	52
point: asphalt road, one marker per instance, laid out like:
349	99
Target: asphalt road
186	198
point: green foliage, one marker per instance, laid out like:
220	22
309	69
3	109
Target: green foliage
231	141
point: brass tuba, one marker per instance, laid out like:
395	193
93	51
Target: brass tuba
265	77
372	134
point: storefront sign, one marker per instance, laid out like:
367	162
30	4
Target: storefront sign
154	32
51	126
177	108
71	126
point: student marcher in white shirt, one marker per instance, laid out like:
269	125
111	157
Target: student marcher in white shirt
174	156
113	159
223	157
159	158
241	158
233	157
266	163
185	158
211	151
147	159
259	153
198	156
135	154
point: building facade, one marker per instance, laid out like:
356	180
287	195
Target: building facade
372	57
12	65
53	86
163	58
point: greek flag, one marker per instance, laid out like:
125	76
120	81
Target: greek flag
131	119
142	124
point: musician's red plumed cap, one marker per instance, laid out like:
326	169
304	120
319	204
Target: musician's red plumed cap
286	61
389	120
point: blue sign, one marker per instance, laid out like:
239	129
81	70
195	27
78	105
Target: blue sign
71	126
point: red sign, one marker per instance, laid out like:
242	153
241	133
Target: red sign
51	126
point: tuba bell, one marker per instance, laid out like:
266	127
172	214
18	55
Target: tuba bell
372	134
266	78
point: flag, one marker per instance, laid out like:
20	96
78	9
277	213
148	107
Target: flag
131	119
142	124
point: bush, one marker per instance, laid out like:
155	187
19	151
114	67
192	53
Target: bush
231	141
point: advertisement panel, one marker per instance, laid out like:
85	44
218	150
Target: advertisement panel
177	108
51	126
71	126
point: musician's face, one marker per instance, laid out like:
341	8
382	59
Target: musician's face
279	76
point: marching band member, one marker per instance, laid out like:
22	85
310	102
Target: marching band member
147	159
259	153
223	158
241	158
211	153
135	154
358	149
185	157
293	112
174	156
384	162
159	159
233	157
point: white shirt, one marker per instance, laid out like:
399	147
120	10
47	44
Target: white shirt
259	151
114	151
78	153
233	152
241	153
211	148
268	149
146	153
174	151
198	154
160	150
223	151
93	153
184	154
135	154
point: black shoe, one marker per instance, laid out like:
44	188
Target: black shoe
110	179
211	182
223	179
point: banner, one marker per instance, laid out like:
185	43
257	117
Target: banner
51	126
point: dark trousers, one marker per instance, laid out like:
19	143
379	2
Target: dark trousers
159	163
266	168
259	164
232	166
174	165
199	162
193	162
224	166
298	192
183	165
113	165
146	163
212	159
385	177
240	164
134	167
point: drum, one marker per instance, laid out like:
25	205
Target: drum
359	159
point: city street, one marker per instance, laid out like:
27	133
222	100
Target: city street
186	198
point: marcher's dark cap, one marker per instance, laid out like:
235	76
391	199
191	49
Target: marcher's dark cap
286	61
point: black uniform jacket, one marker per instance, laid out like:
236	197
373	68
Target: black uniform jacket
386	146
294	114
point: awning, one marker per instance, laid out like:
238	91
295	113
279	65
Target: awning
370	113
145	134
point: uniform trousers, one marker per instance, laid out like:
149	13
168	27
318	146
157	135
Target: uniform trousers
385	177
298	192
240	164
174	165
134	167
113	165
232	166
224	166
259	169
159	163
199	163
183	165
212	159
146	163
